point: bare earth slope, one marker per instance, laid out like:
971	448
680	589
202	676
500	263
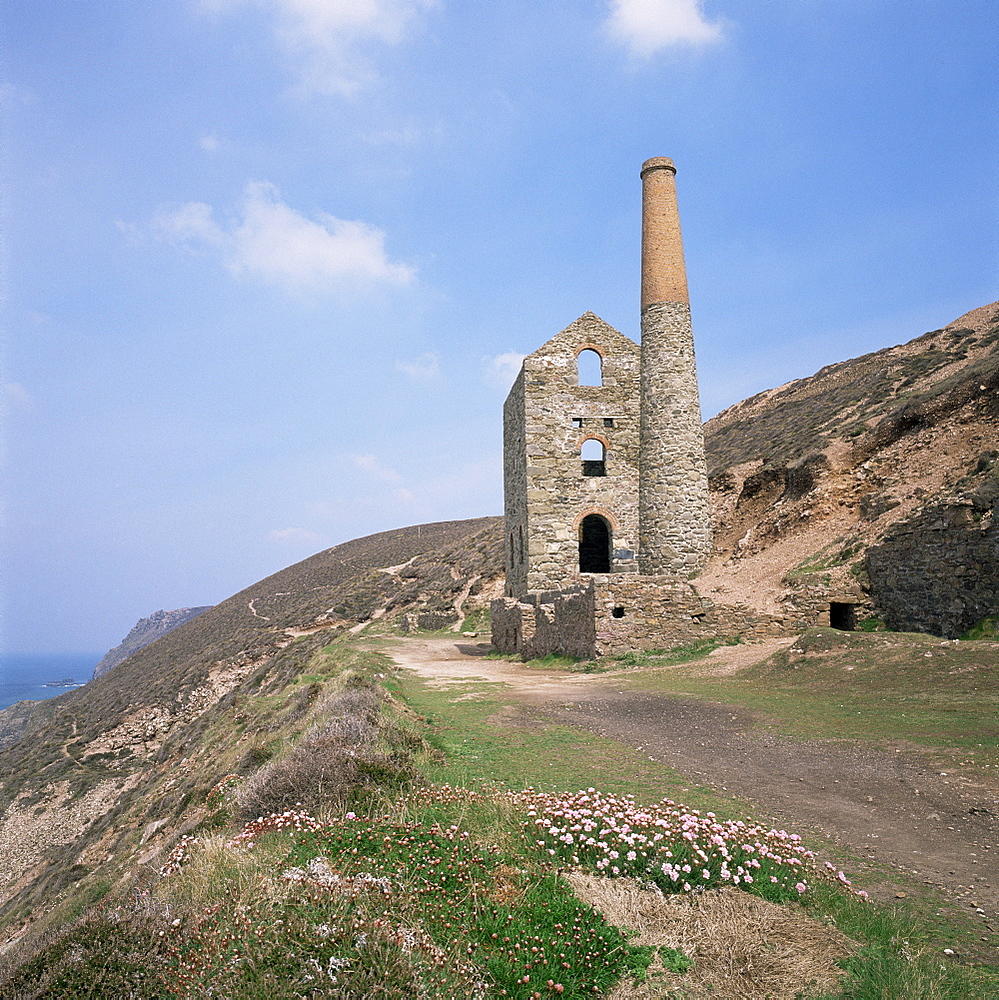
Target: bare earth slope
894	447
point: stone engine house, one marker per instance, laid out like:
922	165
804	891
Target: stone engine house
606	491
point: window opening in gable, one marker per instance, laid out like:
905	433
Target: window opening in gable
589	368
577	421
593	455
594	545
608	421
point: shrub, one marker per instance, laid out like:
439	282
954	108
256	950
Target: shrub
333	762
107	953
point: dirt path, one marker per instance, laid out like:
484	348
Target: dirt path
890	805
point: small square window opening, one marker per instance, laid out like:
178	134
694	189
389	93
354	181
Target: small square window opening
608	421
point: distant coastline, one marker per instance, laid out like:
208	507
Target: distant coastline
38	676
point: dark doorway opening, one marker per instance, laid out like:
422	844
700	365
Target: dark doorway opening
594	545
843	616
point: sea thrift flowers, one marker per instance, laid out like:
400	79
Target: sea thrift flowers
676	848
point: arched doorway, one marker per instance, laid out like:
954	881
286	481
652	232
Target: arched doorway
594	545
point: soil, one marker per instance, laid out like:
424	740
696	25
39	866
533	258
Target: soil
893	805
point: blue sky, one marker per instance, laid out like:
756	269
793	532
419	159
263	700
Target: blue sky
269	265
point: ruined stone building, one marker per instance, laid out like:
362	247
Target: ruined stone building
606	492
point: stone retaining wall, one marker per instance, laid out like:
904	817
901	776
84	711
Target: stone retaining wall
611	614
938	572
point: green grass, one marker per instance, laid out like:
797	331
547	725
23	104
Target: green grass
987	628
475	748
669	657
903	956
877	687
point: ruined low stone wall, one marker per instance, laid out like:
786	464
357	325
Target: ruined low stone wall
559	623
938	572
616	613
662	613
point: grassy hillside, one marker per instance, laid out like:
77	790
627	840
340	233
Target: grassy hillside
312	836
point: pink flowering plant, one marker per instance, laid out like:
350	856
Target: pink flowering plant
675	848
423	901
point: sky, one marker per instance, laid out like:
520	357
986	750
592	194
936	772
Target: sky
269	266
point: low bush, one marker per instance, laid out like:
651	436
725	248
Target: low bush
107	953
335	760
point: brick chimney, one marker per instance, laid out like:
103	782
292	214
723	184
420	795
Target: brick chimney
673	507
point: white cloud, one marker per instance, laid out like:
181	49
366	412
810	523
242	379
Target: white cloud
409	133
11	93
647	26
424	369
14	398
297	536
270	240
327	39
209	143
504	368
192	226
374	468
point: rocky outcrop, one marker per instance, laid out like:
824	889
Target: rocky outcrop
145	631
870	485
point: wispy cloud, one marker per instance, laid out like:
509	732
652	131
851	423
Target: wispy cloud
425	368
329	41
371	465
11	93
297	537
649	26
209	143
14	398
502	369
270	240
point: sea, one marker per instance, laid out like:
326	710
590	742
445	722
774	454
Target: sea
23	676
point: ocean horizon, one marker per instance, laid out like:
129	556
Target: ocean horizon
23	676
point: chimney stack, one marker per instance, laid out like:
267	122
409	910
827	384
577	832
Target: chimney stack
664	275
673	506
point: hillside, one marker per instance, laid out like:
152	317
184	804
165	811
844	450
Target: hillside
143	632
868	475
875	478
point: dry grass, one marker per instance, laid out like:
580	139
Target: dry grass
742	946
334	760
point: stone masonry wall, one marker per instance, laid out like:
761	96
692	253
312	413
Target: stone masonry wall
547	418
611	614
674	505
661	613
938	572
559	623
515	489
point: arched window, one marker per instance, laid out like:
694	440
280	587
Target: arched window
594	545
593	455
589	368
